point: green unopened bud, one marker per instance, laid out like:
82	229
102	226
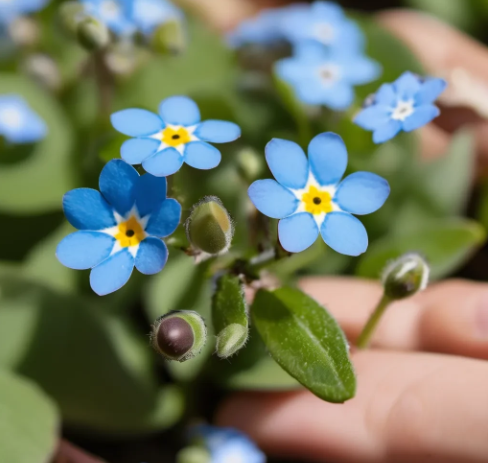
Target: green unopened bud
169	38
71	13
231	339
209	227
179	335
193	454
92	34
405	276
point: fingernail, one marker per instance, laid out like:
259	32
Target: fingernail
482	317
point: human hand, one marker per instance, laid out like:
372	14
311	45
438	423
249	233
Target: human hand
413	402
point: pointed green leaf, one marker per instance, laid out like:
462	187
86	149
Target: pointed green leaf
28	420
446	245
229	315
306	341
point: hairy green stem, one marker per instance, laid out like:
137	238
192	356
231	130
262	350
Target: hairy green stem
369	328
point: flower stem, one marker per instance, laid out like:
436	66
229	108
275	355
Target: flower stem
368	330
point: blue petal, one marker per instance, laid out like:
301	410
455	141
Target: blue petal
150	192
407	85
287	162
386	95
289	70
201	155
344	233
373	117
164	221
297	232
218	131
422	116
351	36
163	163
327	155
272	199
179	110
86	209
135	150
151	256
112	273
84	249
117	182
429	91
326	11
136	122
361	70
362	193
387	132
339	97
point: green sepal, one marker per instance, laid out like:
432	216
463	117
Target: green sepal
229	316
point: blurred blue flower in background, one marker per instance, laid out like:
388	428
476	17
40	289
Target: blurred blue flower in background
326	76
119	228
149	14
310	198
227	445
326	23
117	15
163	142
18	122
406	104
11	9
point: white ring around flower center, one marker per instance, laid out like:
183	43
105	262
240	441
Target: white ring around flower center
11	116
403	110
323	32
329	74
181	147
312	182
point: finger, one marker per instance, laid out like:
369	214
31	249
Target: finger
444	50
408	407
434	142
68	453
449	317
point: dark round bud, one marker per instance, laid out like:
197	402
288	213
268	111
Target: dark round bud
175	337
179	335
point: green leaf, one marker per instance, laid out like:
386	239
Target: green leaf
306	341
88	360
37	184
445	184
459	13
229	315
28	420
446	244
252	368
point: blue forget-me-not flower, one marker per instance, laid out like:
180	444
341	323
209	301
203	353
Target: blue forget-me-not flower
227	445
149	14
119	227
12	9
164	142
406	104
18	122
326	23
326	76
310	198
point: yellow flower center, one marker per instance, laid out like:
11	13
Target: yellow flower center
316	201
130	233
175	137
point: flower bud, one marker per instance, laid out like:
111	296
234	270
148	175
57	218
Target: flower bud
209	227
231	339
24	32
43	70
405	276
193	454
92	34
71	13
179	335
169	38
